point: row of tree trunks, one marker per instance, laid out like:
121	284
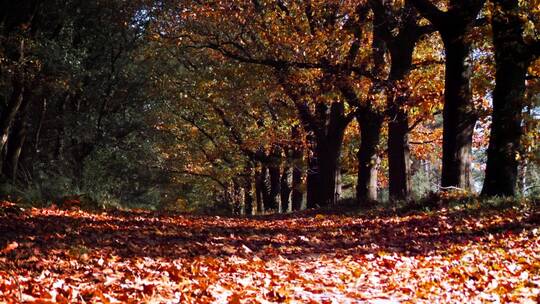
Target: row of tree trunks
277	185
13	120
325	129
275	190
290	193
323	181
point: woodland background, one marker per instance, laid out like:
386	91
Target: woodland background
252	106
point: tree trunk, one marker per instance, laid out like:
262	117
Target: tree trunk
60	133
328	149
522	177
237	197
339	185
234	196
297	173
329	154
325	129
399	164
297	191
512	61
259	191
248	191
17	137
275	189
399	167
313	182
323	175
370	122
6	120
80	152
14	148
266	187
458	114
270	187
370	133
37	135
327	166
274	173
248	201
286	189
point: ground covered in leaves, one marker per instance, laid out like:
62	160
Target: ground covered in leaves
72	256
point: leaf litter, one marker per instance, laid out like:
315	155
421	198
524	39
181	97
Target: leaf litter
72	256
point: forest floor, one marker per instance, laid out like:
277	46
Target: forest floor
452	256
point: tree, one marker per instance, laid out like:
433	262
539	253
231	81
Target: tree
459	116
305	48
404	22
513	56
326	127
74	85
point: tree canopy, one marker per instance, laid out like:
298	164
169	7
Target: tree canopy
268	106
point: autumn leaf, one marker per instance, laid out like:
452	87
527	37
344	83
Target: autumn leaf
10	247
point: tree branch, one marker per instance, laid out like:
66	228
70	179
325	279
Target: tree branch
431	12
197	126
426	63
308	119
535	49
281	64
361	13
424	142
348	118
204	175
237	137
308	10
283	7
380	22
419	120
350	95
425	30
